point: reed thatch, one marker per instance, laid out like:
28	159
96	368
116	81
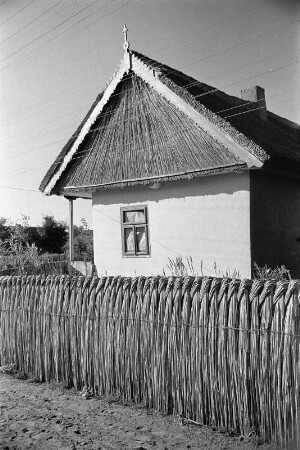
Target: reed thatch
219	351
275	136
140	136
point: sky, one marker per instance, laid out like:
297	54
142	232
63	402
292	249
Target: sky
56	56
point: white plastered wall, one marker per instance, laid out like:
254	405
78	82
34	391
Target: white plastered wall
207	219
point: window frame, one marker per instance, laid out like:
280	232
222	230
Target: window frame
134	226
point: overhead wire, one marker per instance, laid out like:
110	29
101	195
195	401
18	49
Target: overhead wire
115	124
84	29
238	45
75	25
213	90
41	103
20	189
43	124
121	6
254	75
215	35
213	28
31	22
255	109
49	31
84	152
52	131
33	150
70	90
57	26
18	12
198	82
78	154
222	73
185	86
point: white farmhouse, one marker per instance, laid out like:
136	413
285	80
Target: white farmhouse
176	167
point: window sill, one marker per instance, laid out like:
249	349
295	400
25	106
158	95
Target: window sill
136	256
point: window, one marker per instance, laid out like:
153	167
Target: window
135	236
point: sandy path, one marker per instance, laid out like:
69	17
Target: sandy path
41	416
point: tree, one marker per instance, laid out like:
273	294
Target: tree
15	251
53	235
83	242
4	229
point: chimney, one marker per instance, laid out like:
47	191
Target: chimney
256	94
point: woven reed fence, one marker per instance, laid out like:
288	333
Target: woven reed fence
221	352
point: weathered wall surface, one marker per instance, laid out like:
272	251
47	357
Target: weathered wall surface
206	218
275	216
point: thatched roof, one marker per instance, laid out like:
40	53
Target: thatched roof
153	123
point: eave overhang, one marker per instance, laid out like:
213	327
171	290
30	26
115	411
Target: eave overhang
121	184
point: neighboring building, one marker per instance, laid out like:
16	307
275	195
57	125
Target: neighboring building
176	167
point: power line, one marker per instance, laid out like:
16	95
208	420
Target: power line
49	31
34	150
54	130
267	72
63	31
211	28
255	109
78	154
160	64
43	124
29	23
221	52
115	124
20	189
224	30
111	152
199	82
186	86
242	43
122	6
11	17
29	106
211	91
105	16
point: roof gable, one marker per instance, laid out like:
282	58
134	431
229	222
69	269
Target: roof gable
88	161
139	135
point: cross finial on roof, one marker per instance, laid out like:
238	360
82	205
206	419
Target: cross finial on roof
126	43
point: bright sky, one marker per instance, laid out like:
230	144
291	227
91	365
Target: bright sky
56	56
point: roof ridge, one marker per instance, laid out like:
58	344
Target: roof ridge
220	122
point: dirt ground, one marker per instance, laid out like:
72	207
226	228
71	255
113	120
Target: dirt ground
49	416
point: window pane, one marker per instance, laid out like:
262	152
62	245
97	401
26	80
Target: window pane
137	216
129	240
141	239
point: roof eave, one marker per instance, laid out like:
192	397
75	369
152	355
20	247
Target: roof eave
148	181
